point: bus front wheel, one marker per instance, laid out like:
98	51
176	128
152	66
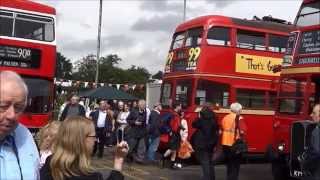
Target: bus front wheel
280	170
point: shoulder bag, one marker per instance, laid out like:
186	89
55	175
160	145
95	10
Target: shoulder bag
239	146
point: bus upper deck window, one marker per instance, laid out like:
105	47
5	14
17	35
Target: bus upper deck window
277	43
34	27
219	36
251	40
194	37
178	40
6	23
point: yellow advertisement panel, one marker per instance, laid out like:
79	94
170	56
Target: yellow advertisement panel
251	64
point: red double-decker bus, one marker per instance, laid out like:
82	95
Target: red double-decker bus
299	86
222	60
28	47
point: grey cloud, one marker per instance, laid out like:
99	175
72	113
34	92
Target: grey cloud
85	25
74	46
165	23
221	3
162	5
117	41
152	59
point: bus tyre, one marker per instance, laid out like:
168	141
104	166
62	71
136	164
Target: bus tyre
280	171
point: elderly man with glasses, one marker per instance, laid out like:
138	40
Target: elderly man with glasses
19	158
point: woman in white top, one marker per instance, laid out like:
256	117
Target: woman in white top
184	128
122	116
183	135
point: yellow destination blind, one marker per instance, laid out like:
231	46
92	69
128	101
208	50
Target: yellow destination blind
251	64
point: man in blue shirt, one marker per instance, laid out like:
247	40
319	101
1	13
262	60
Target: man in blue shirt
19	158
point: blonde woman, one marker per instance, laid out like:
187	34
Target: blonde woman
122	116
47	136
72	151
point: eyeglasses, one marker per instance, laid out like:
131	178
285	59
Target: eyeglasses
92	136
18	107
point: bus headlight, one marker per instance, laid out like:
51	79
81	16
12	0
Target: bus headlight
281	147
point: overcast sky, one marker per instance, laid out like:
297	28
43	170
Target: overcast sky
140	31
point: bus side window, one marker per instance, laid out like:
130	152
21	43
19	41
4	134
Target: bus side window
251	99
166	95
212	92
251	40
272	100
277	43
219	36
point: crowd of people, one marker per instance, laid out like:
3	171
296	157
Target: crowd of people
66	145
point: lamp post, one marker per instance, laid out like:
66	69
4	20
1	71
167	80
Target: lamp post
184	9
98	45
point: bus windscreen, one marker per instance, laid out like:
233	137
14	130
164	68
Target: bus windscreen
309	14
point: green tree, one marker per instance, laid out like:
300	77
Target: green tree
110	60
85	68
63	67
108	71
138	74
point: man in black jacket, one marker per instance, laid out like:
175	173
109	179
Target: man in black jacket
154	132
137	132
204	140
73	109
100	119
315	145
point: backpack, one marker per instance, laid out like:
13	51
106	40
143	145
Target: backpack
175	123
165	127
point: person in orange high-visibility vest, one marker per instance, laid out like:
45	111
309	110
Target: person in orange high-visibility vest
228	137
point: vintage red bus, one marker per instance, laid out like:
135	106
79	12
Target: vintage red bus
28	47
299	87
221	60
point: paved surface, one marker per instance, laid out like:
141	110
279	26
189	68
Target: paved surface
189	172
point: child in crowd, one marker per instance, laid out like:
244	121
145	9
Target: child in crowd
47	136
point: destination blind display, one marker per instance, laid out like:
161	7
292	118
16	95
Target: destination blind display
310	42
13	56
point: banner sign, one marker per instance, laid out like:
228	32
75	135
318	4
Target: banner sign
261	65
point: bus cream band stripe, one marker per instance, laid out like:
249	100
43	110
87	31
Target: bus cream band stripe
244	111
53	43
35	13
301	70
215	75
248	111
252	64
